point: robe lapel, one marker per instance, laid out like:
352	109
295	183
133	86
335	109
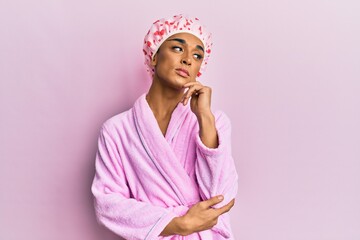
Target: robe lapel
177	118
160	152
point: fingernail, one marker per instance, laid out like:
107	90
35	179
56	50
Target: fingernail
220	197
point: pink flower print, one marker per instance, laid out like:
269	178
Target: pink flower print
159	33
169	23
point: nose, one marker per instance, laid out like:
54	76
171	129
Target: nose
186	59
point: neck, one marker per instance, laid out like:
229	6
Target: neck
163	100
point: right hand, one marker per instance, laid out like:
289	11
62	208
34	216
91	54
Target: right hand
202	216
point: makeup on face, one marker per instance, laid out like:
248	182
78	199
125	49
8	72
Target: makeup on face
184	43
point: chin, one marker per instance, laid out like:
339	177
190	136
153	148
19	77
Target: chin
174	80
181	80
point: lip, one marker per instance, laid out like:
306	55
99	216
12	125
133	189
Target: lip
182	72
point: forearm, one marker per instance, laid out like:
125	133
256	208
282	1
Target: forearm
200	217
208	133
215	169
175	227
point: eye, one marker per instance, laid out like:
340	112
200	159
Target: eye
177	49
198	56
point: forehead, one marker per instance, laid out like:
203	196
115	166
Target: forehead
190	39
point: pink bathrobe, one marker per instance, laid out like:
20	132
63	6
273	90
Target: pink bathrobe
143	179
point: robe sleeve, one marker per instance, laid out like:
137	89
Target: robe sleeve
114	207
215	169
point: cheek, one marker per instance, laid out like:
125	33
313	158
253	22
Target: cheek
163	67
197	68
166	59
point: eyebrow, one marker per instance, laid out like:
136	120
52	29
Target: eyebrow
182	41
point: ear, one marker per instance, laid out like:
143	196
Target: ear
154	60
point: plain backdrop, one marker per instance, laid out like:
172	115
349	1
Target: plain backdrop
287	73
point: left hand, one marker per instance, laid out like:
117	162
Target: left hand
200	98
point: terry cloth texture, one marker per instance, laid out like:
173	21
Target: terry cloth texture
144	179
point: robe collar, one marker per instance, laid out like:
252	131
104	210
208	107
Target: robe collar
160	152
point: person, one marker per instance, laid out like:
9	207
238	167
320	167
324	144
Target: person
164	168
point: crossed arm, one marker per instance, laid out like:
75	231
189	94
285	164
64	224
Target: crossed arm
200	217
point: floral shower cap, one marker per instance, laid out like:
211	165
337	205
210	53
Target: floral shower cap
164	28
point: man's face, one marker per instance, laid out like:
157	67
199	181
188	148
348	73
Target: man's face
178	59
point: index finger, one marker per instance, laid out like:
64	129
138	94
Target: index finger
225	208
212	201
189	84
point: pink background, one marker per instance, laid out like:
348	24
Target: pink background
286	72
